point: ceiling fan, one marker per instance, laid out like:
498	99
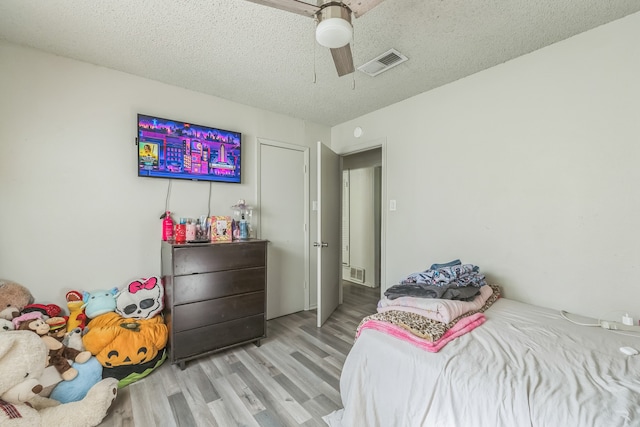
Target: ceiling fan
333	29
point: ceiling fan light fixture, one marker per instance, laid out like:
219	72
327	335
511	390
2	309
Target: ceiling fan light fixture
334	32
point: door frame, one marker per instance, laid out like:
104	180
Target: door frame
305	151
357	148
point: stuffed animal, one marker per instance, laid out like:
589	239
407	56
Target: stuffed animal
70	391
141	299
73	339
57	327
6	325
77	318
47	310
89	374
13	298
99	302
59	354
117	341
22	359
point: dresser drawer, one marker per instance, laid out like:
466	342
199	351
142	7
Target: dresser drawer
196	341
219	257
199	287
209	312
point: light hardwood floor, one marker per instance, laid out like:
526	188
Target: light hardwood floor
292	379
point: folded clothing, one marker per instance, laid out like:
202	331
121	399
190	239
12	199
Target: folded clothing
451	275
441	310
465	325
422	327
450	292
446	264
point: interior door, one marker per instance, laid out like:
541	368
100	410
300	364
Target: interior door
328	244
282	223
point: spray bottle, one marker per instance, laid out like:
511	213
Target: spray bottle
167	227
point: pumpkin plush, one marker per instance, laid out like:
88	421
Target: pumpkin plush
22	360
117	341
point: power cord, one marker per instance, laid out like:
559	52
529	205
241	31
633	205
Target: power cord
606	324
166	202
209	203
565	315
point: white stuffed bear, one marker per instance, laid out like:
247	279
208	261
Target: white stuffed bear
23	357
6	325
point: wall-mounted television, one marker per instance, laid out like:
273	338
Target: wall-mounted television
174	149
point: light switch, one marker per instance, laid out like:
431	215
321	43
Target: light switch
314	205
392	205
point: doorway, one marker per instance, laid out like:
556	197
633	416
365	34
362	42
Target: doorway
362	217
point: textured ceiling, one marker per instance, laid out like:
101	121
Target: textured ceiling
268	58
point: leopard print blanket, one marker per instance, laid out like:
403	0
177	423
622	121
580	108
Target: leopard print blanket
428	329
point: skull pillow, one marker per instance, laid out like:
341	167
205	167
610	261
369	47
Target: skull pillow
140	299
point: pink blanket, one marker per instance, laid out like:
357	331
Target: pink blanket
463	326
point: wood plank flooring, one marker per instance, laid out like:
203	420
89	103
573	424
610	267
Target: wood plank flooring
292	379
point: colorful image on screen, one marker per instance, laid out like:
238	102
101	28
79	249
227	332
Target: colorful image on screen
171	149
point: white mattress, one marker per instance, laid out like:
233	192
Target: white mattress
525	366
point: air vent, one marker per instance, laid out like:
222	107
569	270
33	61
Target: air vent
356	274
383	62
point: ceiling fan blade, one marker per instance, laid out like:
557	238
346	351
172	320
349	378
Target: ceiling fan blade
294	6
360	7
343	60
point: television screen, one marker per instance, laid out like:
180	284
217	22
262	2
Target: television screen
172	149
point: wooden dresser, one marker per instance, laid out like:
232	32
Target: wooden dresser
215	296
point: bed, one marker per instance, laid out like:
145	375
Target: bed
524	366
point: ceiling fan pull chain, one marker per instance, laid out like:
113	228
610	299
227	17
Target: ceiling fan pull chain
314	55
353	84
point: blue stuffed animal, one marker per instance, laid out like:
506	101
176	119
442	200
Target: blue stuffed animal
99	302
89	373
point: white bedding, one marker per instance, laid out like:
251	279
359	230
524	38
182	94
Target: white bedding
525	366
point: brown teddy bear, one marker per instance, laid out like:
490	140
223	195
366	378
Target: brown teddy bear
13	298
59	354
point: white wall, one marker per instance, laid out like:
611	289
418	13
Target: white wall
73	213
528	169
361	224
362	230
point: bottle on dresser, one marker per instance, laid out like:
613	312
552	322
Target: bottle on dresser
167	227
